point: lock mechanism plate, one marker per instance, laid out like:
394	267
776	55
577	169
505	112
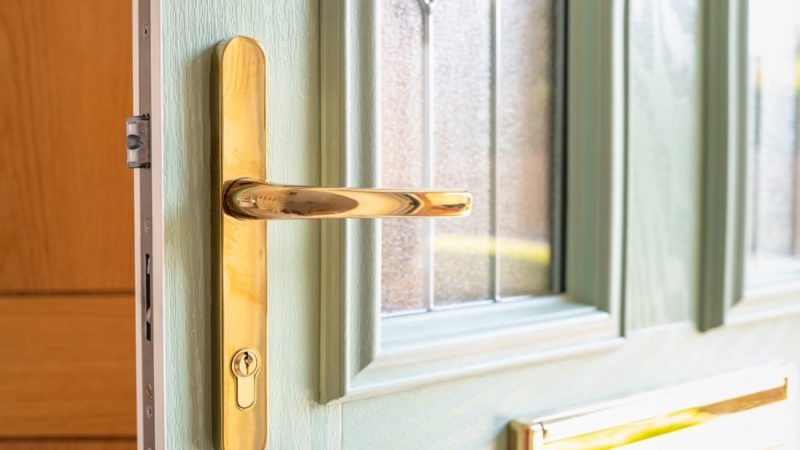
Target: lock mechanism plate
239	113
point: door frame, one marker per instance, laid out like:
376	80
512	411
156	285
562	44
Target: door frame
148	203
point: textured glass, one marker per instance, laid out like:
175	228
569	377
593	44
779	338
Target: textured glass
403	244
463	152
773	102
467	101
525	136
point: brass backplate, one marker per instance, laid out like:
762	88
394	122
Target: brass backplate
239	113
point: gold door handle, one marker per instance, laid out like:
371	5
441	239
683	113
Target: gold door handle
242	204
248	199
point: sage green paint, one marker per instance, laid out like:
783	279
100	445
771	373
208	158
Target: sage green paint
661	283
472	413
664	161
289	33
725	150
364	356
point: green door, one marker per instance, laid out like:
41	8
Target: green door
635	223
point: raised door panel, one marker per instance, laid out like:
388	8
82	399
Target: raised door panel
73	444
66	209
66	225
67	366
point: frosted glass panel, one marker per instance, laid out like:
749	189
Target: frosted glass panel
402	153
526	133
462	146
469	97
774	77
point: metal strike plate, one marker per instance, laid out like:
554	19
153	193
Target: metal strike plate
239	113
137	142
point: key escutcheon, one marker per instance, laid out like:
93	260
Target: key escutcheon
245	367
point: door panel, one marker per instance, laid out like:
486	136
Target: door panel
473	413
664	157
289	34
66	222
71	372
66	231
662	229
75	444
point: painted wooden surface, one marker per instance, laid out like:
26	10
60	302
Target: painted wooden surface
66	209
725	144
473	413
664	161
662	270
67	366
728	170
289	34
364	356
661	279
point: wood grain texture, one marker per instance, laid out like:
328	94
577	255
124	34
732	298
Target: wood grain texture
474	413
664	162
66	209
471	412
289	33
726	298
725	131
68	366
68	444
350	295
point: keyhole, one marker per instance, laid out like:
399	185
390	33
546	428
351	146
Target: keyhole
245	363
245	366
248	360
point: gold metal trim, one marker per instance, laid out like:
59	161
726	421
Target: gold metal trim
636	419
240	279
240	323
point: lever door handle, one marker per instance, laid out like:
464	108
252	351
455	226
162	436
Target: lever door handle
242	202
248	199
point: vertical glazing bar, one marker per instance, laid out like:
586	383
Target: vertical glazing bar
495	149
428	128
558	174
755	243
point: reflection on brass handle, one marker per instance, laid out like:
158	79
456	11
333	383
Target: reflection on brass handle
240	278
247	199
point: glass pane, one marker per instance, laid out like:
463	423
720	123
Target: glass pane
404	242
462	150
526	132
774	71
468	98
